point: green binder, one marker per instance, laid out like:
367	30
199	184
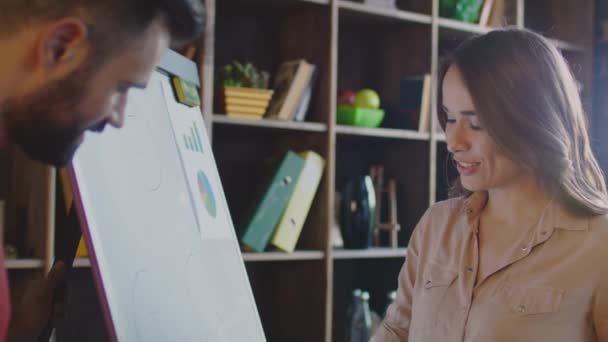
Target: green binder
266	216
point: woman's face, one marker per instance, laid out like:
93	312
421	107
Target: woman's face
480	163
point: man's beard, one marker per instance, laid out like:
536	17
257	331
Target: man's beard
47	125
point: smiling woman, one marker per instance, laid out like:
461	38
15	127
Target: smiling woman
517	254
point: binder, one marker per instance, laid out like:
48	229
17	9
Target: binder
289	228
266	216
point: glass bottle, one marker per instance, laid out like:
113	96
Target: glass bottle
349	312
361	321
391	296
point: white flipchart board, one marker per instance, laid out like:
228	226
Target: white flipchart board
163	248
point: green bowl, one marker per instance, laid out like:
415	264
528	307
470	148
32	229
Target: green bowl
359	116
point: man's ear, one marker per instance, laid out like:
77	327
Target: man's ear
63	47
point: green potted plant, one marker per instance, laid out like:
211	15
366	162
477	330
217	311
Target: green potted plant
242	90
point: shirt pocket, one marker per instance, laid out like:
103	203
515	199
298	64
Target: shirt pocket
430	297
525	301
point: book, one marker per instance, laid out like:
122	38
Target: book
290	226
267	213
486	10
498	13
414	103
289	86
304	104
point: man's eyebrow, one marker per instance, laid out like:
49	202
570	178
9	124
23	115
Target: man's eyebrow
140	85
136	85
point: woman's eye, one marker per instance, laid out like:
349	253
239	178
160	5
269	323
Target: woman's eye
476	126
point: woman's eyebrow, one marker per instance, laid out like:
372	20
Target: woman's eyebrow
463	112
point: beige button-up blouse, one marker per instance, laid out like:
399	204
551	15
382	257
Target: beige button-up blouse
552	286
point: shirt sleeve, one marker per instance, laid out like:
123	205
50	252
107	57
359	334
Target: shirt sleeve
395	326
600	311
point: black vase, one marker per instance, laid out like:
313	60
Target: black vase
357	207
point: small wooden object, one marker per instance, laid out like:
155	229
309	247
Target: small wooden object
392	226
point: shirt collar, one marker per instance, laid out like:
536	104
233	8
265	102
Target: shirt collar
474	204
556	216
560	217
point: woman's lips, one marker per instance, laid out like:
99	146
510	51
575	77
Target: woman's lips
466	168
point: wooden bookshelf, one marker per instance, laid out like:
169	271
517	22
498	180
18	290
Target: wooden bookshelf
388	133
280	256
24	264
248	257
387	13
372	253
82	263
454	25
220	119
355	46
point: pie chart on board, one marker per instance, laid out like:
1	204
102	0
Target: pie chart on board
207	196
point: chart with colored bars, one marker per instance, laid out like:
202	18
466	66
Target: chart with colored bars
193	140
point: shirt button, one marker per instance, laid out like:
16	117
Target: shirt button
544	232
521	309
524	248
469	269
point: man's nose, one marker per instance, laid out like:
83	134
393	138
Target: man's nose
117	117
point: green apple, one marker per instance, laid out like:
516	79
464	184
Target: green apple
367	98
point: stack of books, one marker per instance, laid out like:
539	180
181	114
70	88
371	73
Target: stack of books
293	87
280	212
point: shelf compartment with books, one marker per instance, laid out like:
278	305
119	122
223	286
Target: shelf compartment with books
272	35
370	253
405	162
249	159
377	278
23	264
383	13
288	294
281	256
220	119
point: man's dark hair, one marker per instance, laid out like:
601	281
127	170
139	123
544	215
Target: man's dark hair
110	22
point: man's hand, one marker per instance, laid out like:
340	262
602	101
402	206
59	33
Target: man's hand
38	309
